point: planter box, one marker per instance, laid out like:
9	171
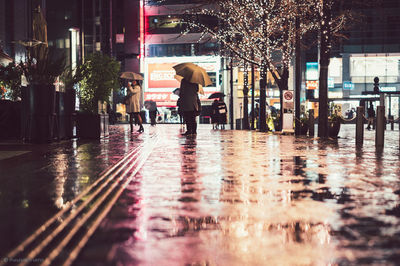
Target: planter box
10	119
38	113
333	129
92	126
303	128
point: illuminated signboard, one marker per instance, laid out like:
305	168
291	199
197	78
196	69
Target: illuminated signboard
331	83
312	71
348	85
312	84
387	89
159	72
160	81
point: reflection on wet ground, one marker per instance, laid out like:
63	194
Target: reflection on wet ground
38	182
250	198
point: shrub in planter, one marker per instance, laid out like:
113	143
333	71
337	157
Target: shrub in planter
334	120
97	78
10	78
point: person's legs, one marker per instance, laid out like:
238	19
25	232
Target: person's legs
186	117
153	117
139	121
369	123
131	121
194	123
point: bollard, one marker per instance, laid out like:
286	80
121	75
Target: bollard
380	127
311	123
360	125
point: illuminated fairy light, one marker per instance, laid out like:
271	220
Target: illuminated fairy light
265	28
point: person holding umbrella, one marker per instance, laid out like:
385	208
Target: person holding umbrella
218	107
133	98
193	77
189	103
133	105
221	113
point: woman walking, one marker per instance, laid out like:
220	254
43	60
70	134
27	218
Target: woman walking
133	105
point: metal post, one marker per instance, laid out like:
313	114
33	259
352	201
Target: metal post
382	99
380	127
360	125
311	122
253	87
231	93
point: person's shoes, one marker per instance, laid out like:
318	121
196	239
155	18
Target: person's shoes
141	129
186	133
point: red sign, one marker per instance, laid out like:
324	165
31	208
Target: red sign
312	84
160	96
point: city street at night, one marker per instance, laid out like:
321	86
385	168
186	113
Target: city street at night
223	197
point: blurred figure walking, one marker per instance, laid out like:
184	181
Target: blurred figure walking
189	102
215	114
152	107
222	110
371	116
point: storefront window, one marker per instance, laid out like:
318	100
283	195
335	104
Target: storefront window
363	69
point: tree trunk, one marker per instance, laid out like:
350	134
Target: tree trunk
245	124
324	53
262	116
282	83
298	80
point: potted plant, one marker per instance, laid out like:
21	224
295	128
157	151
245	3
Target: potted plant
10	104
97	78
303	124
38	99
334	120
10	79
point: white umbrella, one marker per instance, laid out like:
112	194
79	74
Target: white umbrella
193	73
131	75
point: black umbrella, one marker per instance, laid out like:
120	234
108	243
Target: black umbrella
216	95
176	91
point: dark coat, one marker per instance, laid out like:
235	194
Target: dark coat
188	96
215	112
222	110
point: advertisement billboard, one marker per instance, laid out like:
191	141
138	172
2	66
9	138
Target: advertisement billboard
159	72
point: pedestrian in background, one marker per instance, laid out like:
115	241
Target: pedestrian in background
133	104
215	114
189	102
180	112
153	112
371	116
256	115
222	110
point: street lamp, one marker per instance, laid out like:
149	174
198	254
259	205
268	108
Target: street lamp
75	44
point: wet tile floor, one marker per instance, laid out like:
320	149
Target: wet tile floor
37	180
250	198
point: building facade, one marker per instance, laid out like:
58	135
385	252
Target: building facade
371	49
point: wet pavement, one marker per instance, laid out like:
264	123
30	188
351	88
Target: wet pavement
221	198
